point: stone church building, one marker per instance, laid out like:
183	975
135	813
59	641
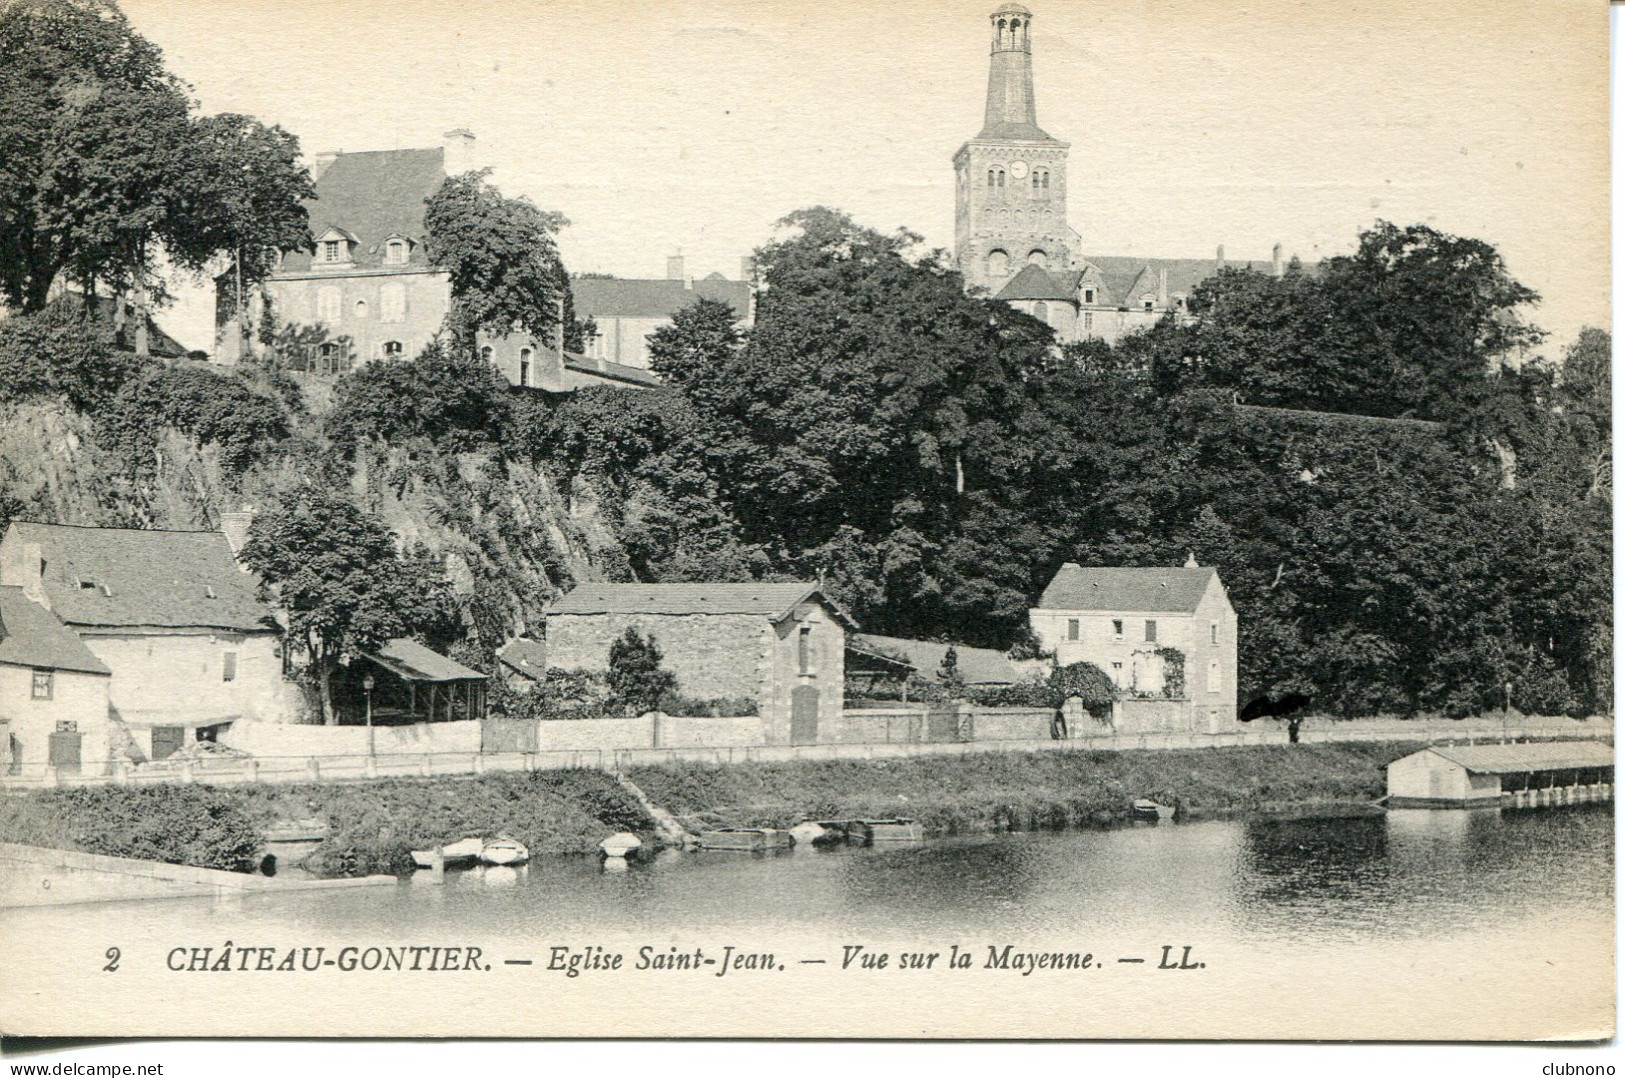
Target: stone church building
1011	235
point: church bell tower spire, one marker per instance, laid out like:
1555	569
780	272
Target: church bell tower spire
1011	112
1010	193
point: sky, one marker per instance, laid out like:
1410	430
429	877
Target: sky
666	127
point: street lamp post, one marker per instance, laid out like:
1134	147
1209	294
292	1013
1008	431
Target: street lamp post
372	745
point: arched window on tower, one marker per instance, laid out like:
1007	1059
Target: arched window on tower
998	264
1038	257
486	353
1041	183
1041	311
995	176
524	366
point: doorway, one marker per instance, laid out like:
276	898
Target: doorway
804	715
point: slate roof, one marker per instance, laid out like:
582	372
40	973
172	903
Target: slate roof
1512	759
1034	282
616	297
772	601
978	666
602	370
525	656
1155	590
134	577
373	195
159	343
31	635
408	659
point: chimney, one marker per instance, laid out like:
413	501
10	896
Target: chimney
1190	560
674	267
1275	261
1219	258
747	268
235	527
25	569
322	161
1162	287
459	146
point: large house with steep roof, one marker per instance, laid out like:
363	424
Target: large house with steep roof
625	311
53	693
1165	637
781	645
179	625
1012	240
369	281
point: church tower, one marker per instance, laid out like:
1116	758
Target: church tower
1010	198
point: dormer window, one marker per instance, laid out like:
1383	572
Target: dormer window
1149	302
1088	295
335	247
395	252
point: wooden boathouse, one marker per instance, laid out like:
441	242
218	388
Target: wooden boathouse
1519	775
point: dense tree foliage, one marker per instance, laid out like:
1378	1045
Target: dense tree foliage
62	351
635	677
445	395
500	252
106	175
934	458
335	571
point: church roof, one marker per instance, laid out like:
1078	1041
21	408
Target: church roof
1035	282
1014	129
617	297
1011	9
372	196
1122	279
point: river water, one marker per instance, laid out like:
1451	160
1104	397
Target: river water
1412	923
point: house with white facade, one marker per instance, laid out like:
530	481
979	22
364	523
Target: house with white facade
179	625
1165	637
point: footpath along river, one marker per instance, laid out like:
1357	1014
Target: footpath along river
1414	920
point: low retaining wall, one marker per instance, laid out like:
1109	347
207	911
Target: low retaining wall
37	876
686	732
557	735
274	739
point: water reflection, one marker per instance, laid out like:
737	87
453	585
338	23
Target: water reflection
1333	881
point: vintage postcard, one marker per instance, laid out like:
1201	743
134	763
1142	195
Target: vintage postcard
946	519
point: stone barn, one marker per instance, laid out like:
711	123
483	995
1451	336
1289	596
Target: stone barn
782	645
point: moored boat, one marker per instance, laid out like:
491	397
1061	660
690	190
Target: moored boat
743	838
504	851
1146	809
462	852
896	830
620	844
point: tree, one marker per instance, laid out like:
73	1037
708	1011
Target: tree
62	350
701	337
1414	323
635	676
445	394
248	186
500	252
336	573
76	71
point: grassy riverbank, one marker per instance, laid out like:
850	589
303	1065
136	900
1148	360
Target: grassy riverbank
372	826
1030	791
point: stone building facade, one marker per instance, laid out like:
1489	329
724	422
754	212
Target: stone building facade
1012	239
1132	623
370	283
626	311
782	645
53	693
189	645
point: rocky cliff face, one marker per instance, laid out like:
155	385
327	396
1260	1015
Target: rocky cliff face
509	539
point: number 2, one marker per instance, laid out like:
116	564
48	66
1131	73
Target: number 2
112	960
